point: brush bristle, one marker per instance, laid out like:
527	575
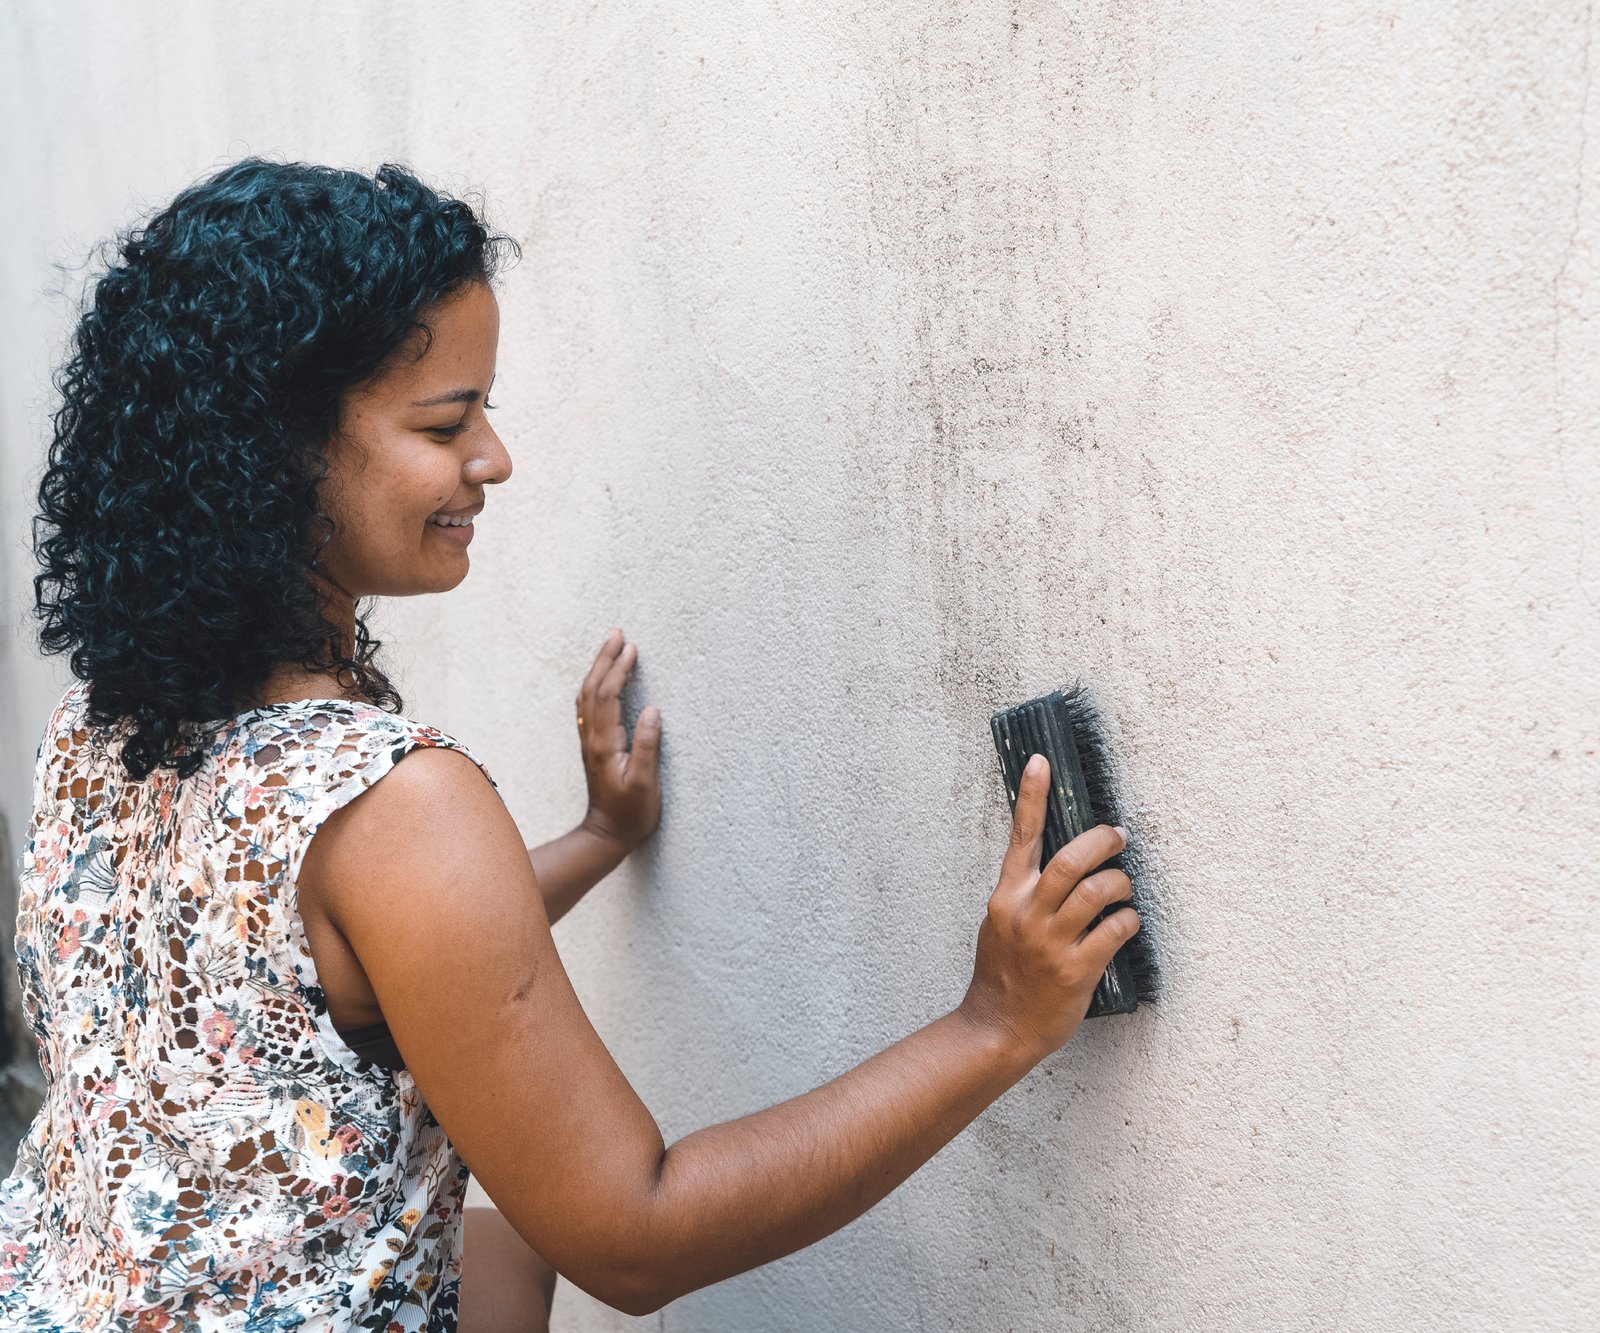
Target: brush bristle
1066	728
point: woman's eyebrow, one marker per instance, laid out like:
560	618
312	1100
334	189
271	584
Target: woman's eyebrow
454	396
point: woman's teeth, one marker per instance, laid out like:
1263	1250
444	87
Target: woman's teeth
450	522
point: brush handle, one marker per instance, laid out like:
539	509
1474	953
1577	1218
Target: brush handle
1044	726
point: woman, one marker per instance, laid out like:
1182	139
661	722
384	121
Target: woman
277	1021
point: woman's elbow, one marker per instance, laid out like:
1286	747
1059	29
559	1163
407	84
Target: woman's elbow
637	1285
640	1303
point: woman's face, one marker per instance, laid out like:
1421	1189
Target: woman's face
414	444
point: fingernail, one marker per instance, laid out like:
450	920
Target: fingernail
1122	831
1034	764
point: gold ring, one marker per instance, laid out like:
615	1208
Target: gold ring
580	719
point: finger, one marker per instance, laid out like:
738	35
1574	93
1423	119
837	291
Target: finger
605	703
1110	935
611	683
643	762
1027	822
1092	895
602	663
1079	858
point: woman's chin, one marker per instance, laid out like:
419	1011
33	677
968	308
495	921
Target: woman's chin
434	572
451	578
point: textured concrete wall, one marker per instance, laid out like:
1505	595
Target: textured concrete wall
876	366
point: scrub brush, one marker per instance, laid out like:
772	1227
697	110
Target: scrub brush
1064	727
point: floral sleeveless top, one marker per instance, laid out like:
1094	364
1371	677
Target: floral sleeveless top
210	1155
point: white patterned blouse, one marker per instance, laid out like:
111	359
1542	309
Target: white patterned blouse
211	1155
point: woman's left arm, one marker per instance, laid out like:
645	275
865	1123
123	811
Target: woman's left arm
624	785
569	866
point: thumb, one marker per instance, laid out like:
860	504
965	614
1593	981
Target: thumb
1027	821
646	744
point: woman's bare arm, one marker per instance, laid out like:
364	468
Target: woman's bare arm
741	1194
567	867
428	879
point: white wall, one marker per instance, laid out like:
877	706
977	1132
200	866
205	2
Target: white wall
876	366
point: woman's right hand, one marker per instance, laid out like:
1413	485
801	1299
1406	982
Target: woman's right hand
1038	963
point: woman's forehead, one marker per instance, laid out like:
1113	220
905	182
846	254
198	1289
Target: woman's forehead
465	333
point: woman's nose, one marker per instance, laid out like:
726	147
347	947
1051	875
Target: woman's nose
494	464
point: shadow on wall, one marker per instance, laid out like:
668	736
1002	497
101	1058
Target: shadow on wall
21	1080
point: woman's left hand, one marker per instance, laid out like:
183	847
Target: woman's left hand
624	784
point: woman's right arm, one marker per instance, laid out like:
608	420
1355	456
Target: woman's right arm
428	878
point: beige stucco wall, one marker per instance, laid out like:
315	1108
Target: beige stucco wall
876	366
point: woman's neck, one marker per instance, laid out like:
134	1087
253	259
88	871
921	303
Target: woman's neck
287	686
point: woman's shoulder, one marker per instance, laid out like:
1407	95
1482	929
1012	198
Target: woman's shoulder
56	744
68	710
339	738
323	743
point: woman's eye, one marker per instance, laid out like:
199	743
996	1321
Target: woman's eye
448	431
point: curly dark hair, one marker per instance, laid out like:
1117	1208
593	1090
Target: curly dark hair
179	526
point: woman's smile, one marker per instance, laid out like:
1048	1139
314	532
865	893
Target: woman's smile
456	524
459	535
